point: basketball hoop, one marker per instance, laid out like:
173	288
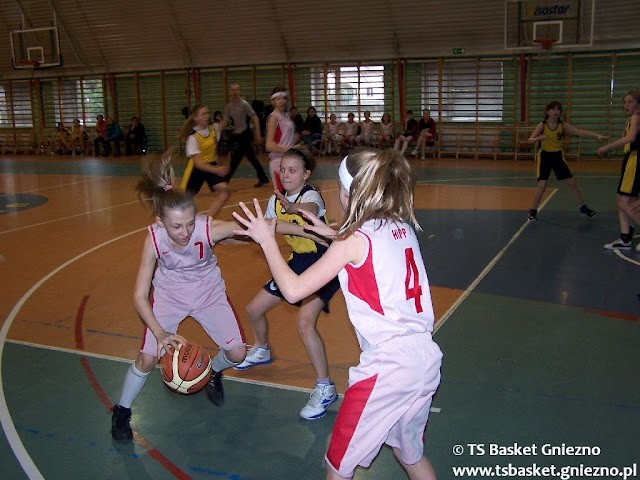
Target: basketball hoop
545	47
27	64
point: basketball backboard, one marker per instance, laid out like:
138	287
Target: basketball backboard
35	47
569	22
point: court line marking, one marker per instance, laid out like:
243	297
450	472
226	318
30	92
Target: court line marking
487	269
8	426
4	194
18	448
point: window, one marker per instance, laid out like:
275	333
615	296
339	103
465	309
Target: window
82	99
348	89
471	91
15	104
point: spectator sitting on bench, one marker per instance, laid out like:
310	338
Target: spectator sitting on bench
135	143
312	129
427	135
62	139
78	137
112	137
101	128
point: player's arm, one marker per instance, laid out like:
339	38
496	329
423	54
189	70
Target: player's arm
270	142
571	130
207	167
292	207
622	141
257	134
141	300
537	134
288	228
297	287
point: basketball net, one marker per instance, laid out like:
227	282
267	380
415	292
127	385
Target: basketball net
545	44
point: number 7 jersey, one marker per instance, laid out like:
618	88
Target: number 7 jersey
387	293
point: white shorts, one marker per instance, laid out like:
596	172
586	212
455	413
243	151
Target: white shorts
218	319
387	401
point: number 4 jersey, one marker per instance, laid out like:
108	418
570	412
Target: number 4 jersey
387	293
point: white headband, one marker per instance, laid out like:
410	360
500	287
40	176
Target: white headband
344	175
279	94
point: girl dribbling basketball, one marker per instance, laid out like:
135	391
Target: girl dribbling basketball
179	263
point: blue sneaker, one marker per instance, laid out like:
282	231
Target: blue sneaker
321	397
255	356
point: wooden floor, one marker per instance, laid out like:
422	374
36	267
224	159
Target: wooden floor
506	293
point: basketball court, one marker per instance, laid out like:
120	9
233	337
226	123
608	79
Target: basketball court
537	322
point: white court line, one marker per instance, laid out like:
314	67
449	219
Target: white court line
486	270
61	185
625	258
61	219
249	381
8	426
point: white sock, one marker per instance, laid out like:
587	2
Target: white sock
133	383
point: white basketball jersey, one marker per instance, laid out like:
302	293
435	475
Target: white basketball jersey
188	273
387	293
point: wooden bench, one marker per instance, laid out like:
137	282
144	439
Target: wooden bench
15	141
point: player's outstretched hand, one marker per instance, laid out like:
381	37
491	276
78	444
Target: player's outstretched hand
316	225
169	342
257	227
288	206
602	151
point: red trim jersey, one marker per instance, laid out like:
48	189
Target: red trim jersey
186	275
387	293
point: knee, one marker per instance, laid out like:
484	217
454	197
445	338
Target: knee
306	327
223	192
621	202
145	363
237	354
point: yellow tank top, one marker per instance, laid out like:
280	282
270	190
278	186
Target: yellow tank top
553	138
207	146
298	244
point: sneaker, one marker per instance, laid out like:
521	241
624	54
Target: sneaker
415	152
120	424
261	183
422	156
533	214
255	356
215	390
618	244
584	210
321	397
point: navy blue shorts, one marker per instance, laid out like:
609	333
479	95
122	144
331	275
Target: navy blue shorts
299	262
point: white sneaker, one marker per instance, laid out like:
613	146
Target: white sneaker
618	245
255	356
638	247
321	397
415	152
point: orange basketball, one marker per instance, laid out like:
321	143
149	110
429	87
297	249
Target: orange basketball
187	369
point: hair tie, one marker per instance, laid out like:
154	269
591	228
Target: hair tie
279	94
344	175
167	187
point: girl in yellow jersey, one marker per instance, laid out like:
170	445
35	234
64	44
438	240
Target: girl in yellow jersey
629	185
296	166
201	147
550	156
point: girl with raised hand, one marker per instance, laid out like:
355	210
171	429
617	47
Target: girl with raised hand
377	257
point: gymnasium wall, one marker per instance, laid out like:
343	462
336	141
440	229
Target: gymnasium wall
484	91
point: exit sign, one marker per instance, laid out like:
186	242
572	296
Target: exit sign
458	51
